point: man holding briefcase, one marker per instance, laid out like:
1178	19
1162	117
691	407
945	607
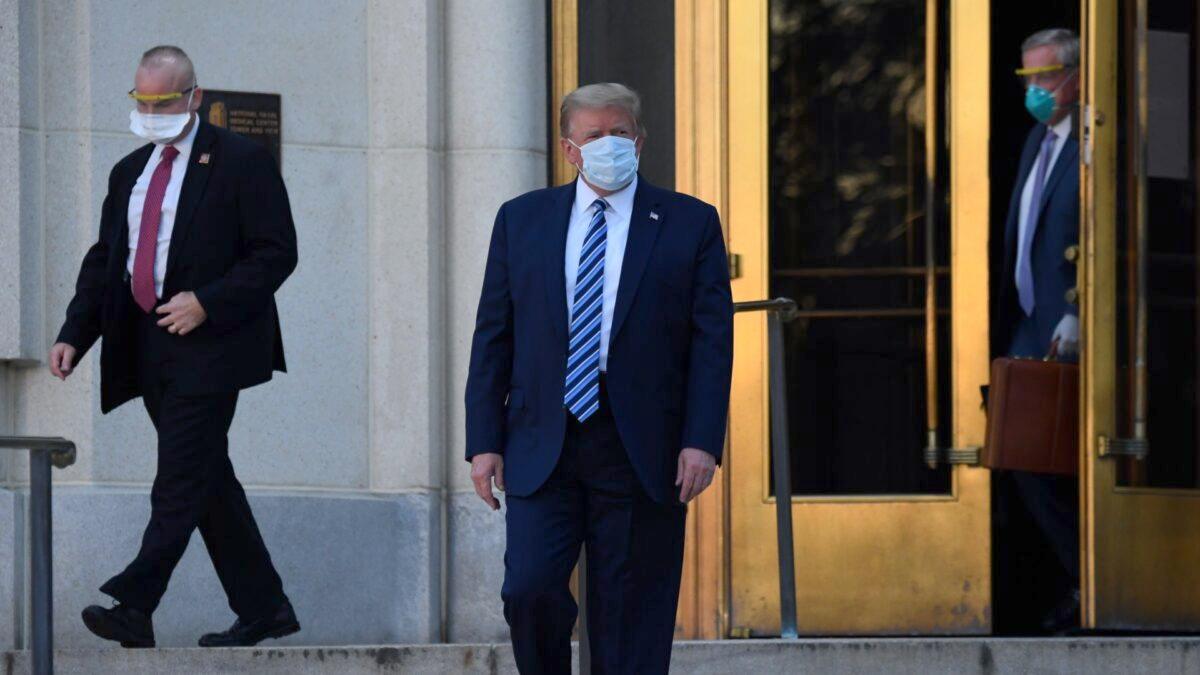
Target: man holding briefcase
1032	315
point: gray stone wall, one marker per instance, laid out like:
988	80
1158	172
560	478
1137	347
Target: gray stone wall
405	124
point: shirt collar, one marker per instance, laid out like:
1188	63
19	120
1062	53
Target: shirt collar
619	203
1062	129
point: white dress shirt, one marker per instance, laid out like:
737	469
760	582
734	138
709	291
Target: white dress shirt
137	199
616	217
1062	130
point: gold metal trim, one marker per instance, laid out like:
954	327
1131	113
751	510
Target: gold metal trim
880	313
856	272
735	266
1098	270
931	309
700	170
1121	447
564	77
866	499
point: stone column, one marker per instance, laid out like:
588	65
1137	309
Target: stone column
496	111
56	219
406	164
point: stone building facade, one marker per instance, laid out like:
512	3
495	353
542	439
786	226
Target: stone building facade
405	124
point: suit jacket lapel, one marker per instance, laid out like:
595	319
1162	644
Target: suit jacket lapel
643	232
121	201
1066	157
194	182
557	220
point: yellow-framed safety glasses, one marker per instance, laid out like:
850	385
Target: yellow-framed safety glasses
1039	70
1042	75
158	98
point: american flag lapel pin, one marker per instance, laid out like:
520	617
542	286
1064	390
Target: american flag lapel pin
654	215
204	158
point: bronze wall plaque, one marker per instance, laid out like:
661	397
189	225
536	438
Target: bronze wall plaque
255	116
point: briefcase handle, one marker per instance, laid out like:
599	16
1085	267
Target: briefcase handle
1052	355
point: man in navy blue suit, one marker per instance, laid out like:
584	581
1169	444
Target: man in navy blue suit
598	391
1033	316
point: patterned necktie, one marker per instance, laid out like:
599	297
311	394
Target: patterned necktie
147	246
1024	265
583	357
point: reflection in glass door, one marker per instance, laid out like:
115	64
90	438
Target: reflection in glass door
848	234
1165	381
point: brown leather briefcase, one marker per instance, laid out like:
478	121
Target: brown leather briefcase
1033	417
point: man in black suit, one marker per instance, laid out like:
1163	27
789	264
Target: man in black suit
196	235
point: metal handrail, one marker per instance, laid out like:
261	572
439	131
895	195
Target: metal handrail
779	311
43	453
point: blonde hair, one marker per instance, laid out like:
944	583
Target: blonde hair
597	96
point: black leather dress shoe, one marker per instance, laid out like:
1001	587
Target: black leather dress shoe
248	634
131	627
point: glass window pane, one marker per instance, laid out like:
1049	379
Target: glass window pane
847	233
1173	224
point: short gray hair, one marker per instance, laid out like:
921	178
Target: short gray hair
170	55
597	96
1064	41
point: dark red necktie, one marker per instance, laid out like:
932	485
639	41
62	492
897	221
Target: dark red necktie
143	260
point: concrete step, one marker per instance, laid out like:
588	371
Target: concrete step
896	656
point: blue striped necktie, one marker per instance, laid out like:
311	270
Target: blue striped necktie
583	356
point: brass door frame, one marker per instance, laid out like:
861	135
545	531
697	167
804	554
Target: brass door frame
875	579
701	114
564	78
1140	565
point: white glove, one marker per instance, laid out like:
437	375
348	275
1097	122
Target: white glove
1067	335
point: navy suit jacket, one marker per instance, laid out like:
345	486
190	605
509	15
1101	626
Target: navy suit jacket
670	355
1057	229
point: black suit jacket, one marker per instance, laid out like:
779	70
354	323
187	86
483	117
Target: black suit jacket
233	245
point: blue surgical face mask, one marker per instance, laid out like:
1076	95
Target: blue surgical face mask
609	162
1040	102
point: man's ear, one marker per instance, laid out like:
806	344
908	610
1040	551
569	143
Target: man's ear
570	152
197	99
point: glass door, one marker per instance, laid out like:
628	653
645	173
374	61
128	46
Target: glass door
840	167
1141	488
